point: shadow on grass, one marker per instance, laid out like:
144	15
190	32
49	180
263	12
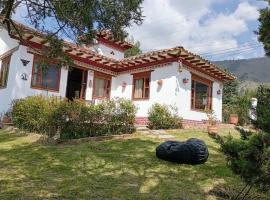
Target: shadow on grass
120	169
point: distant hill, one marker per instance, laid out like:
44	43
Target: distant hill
250	71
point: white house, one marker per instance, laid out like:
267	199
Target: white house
170	76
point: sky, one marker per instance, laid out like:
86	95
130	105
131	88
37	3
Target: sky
214	29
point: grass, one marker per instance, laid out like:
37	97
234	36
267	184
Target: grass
116	169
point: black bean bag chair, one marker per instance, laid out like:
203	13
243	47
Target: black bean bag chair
193	151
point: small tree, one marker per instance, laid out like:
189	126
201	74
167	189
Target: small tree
263	108
135	50
264	30
230	91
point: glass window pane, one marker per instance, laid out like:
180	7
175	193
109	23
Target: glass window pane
138	90
50	78
201	96
99	87
146	93
36	76
147	82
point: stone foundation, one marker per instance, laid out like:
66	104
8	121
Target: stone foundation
142	121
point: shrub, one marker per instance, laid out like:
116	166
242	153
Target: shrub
34	113
73	119
76	120
163	117
263	108
249	158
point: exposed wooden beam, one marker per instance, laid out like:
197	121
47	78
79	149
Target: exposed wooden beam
98	59
43	42
184	55
146	60
189	58
139	62
68	50
162	56
79	54
153	58
205	66
199	64
30	37
195	61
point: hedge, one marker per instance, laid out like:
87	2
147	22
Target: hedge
73	119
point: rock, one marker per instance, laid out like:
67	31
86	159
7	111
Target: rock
193	151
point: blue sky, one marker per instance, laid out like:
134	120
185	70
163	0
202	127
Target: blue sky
215	29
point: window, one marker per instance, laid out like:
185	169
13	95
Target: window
48	79
102	85
4	72
201	93
141	85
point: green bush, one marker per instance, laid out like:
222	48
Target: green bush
249	158
34	114
163	117
263	108
73	119
76	120
239	105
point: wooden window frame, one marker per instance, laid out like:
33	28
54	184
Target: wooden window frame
103	76
144	76
84	83
35	61
206	82
8	60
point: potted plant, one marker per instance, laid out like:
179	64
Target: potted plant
233	119
212	123
7	118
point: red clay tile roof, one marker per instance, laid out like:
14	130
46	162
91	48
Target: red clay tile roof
149	59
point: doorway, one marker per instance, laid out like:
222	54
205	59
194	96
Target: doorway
76	84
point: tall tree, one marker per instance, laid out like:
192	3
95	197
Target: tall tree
77	20
135	50
264	29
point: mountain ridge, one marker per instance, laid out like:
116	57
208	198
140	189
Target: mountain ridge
248	70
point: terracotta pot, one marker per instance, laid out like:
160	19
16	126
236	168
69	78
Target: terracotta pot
6	120
212	129
233	119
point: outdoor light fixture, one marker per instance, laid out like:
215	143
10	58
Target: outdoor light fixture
124	84
160	82
219	92
181	68
90	83
185	80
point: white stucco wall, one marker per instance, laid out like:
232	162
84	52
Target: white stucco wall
172	92
16	87
106	51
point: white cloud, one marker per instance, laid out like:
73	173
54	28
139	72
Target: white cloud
192	24
246	11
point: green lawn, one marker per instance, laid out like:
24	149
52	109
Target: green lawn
117	169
